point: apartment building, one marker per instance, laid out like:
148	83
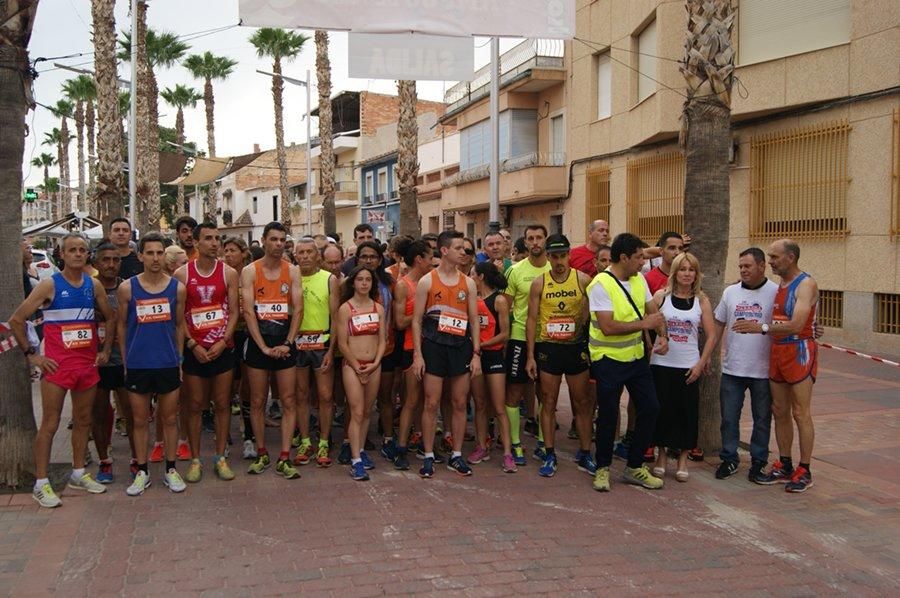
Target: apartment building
816	151
533	173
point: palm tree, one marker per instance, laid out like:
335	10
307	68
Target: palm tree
160	50
210	68
17	428
279	44
54	139
63	109
44	161
109	136
708	69
326	146
408	159
179	97
81	91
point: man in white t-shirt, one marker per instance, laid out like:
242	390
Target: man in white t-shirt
746	364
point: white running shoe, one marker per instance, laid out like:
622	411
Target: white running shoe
141	482
46	497
174	482
86	483
249	450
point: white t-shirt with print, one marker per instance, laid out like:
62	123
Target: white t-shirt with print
746	355
599	299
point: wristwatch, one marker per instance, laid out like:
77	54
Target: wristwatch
765	328
29	351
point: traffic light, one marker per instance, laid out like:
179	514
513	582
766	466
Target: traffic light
30	195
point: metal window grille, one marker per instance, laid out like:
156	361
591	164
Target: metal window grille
895	179
449	220
887	313
830	311
655	195
799	182
597	194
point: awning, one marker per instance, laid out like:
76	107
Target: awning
171	166
206	170
63	226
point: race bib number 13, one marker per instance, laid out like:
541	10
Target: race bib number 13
153	310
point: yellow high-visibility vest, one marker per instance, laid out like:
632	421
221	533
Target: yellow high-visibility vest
621	347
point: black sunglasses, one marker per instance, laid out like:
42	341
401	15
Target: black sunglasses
470	252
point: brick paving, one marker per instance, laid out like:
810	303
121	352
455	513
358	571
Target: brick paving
491	534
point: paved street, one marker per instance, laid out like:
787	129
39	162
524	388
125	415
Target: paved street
491	534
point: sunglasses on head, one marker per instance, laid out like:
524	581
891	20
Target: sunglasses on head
470	252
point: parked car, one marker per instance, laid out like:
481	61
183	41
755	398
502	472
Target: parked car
43	264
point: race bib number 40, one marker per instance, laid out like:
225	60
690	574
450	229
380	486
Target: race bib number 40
212	316
455	325
77	336
272	310
561	329
153	310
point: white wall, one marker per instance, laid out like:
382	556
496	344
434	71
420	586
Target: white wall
438	153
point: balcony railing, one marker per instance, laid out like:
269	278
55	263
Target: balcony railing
531	53
483	171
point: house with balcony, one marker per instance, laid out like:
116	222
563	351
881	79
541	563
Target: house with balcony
438	162
533	164
816	140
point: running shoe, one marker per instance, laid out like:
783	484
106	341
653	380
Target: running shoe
757	470
358	472
601	480
105	473
779	474
88	459
572	433
531	427
157	454
415	440
304	453
548	469
447	443
184	451
274	411
621	448
427	469
174	482
86	483
726	469
46	497
121	427
366	460
223	470
295	439
285	469
801	481
641	476
696	454
438	456
249	450
401	461
650	454
133	468
389	449
518	454
478	455
235	406
208	422
140	483
195	472
344	455
260	464
540	453
586	463
322	458
458	465
509	464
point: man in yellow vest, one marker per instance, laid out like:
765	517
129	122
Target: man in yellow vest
622	310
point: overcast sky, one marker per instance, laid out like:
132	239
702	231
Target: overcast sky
243	102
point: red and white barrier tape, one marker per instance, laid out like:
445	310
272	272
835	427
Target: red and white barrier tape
7	340
858	354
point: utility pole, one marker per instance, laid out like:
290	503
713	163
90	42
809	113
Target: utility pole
132	118
494	211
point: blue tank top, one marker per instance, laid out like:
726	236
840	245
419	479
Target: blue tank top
70	334
150	330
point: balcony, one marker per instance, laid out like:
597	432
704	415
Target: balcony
514	63
529	178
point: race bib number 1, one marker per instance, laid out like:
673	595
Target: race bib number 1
363	323
272	310
153	310
455	325
77	336
561	329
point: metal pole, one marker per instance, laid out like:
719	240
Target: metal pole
132	119
309	229
494	212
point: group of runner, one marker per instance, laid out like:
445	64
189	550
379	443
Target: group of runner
417	332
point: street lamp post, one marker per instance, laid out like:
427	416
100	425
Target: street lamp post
305	84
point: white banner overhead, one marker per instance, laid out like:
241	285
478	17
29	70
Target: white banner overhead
411	56
502	18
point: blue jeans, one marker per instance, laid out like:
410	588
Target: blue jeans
612	376
731	400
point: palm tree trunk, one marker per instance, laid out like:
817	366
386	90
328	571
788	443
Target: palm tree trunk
408	159
143	189
153	207
109	136
277	98
209	102
89	123
326	145
17	427
179	139
64	178
79	136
